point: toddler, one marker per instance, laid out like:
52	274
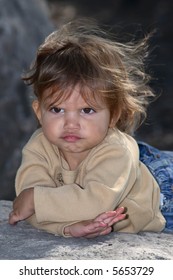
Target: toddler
81	173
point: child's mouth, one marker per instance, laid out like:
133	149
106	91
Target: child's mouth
71	138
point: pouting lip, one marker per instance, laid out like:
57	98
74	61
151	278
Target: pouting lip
70	137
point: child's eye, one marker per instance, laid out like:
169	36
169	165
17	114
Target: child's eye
56	110
88	111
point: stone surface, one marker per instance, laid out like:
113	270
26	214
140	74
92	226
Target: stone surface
23	242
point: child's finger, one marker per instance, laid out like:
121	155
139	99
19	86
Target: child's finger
120	210
97	231
105	216
106	231
109	214
13	218
95	226
116	219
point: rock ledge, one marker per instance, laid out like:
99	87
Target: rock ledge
23	242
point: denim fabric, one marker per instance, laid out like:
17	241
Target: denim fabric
160	164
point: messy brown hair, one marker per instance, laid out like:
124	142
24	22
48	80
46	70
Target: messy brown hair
83	55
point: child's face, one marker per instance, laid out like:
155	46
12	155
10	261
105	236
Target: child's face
73	126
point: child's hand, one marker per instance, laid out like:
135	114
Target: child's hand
101	225
23	206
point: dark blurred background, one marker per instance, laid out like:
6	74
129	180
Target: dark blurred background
24	25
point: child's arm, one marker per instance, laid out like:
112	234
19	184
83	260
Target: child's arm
101	225
23	206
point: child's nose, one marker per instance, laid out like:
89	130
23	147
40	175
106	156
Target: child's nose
71	120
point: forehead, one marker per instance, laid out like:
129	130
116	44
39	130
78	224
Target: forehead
74	96
79	95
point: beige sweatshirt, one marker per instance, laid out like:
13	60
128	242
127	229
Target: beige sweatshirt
110	176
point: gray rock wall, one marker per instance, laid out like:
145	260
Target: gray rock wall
23	26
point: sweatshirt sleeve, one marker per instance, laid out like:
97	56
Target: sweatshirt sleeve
109	176
33	171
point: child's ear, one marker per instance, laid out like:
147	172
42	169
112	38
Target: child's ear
114	119
37	110
112	123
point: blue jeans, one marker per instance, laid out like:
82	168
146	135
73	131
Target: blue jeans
160	164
